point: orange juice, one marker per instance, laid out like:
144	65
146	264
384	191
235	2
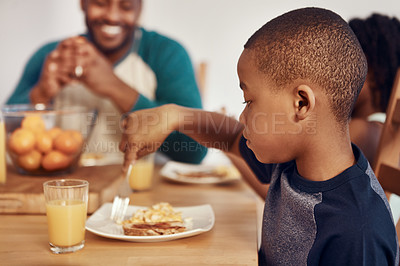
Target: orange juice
66	222
2	153
141	175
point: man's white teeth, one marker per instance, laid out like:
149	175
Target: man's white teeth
111	29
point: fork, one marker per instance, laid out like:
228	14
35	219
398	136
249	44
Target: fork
119	207
121	200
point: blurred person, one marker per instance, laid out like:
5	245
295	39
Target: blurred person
116	67
379	36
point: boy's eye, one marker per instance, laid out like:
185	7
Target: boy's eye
248	102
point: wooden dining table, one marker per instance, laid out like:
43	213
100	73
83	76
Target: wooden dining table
233	240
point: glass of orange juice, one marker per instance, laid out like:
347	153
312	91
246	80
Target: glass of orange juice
66	209
140	173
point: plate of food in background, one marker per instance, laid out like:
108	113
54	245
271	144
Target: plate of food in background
200	173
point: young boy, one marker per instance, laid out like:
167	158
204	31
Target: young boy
300	75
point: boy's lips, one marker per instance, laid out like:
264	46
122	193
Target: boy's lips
245	135
248	143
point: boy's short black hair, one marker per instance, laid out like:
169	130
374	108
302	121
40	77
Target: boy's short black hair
315	45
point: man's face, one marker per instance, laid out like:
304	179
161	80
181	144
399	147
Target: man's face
111	23
268	115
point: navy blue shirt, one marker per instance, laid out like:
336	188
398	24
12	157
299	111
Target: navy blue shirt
345	220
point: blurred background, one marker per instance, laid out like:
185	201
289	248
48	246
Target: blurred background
212	31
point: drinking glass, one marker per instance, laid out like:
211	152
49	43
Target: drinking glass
66	209
140	173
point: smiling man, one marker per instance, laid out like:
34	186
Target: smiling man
116	67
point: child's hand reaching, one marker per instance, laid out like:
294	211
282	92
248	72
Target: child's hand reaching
144	131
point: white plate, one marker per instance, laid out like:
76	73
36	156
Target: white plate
100	223
172	169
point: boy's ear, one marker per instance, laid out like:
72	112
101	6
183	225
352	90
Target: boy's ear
304	101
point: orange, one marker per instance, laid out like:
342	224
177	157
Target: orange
54	132
33	122
67	142
78	136
30	161
22	141
44	142
55	160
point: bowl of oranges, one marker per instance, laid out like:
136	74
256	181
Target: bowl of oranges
41	140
